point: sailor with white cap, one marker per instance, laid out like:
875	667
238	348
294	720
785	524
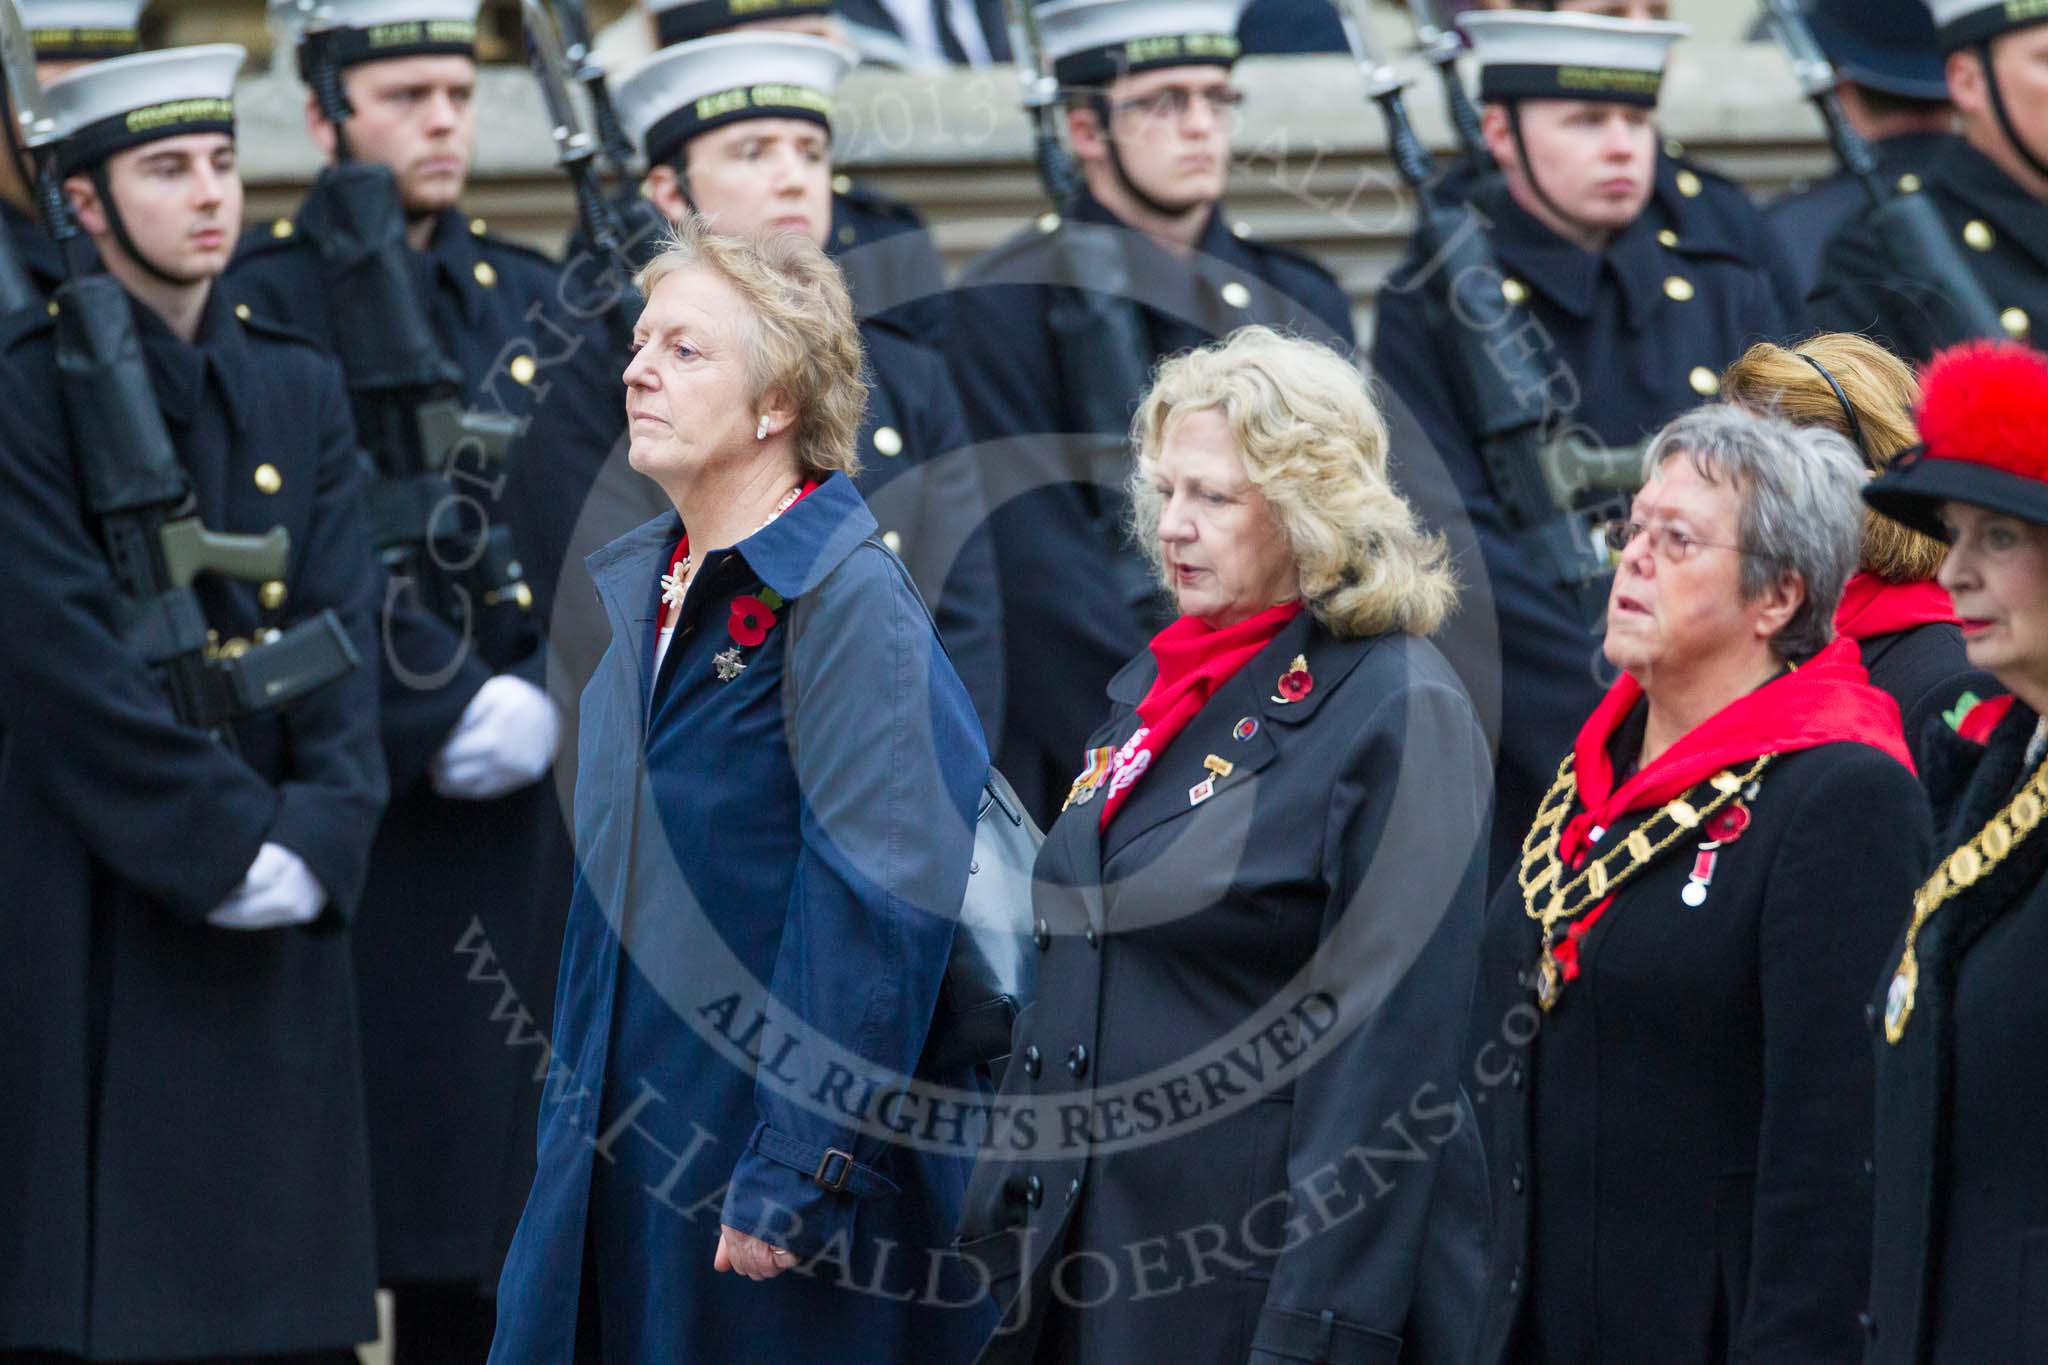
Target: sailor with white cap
1149	110
473	834
1642	321
881	243
201	1180
64	33
1991	188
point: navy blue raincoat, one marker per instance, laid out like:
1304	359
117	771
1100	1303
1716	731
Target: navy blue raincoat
773	835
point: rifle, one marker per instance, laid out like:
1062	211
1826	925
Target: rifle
1103	348
1501	388
138	496
1907	226
616	148
1442	46
406	392
600	227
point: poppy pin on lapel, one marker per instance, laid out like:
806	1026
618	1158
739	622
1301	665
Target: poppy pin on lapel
1296	682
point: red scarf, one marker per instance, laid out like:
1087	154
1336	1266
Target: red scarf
1826	700
1194	661
1872	607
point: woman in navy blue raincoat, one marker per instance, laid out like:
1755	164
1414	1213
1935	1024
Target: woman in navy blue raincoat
775	809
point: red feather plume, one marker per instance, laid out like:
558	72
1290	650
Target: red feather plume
1987	402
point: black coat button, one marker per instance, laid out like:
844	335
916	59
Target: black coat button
1870	1017
1034	1061
1515	1184
1041	934
1094	939
1516	1077
1073	1189
1077	1060
1034	1191
1868	1324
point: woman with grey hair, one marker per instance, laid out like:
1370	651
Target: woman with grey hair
1672	986
1257	919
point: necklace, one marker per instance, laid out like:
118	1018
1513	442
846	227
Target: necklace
1543	876
1959	871
676	581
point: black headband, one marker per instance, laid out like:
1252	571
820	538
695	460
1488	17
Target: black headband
343	47
1988	23
777	99
1848	408
84	44
1507	82
94	143
701	17
1098	66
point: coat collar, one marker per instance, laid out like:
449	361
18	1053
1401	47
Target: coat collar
1570	276
179	371
453	258
1976	179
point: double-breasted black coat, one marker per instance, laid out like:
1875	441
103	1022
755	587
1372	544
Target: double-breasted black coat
1807	218
1233	1105
1677	1152
1643	330
183	1170
2001	232
1062	561
464	896
1960	1261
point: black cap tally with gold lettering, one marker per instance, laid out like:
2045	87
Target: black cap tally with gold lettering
1966	23
123	102
343	33
1092	42
82	30
680	21
1525	55
693	87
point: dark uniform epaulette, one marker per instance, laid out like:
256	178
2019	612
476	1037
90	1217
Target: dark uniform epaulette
1684	165
272	330
276	235
1027	239
1292	255
871	200
480	230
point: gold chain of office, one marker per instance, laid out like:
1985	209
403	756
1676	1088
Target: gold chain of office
1543	871
1958	872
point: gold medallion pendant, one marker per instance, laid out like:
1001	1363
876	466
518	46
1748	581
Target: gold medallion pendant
1898	1000
1549	980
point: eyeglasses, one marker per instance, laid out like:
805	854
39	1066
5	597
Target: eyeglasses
1668	543
1171	104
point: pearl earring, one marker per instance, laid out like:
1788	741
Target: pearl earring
761	431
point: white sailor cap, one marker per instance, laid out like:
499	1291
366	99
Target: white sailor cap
82	30
1092	42
693	87
1549	56
1966	23
679	21
346	32
122	102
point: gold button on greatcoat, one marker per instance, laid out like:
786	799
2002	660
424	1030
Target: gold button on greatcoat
1048	222
847	235
1673	148
268	480
242	311
478	226
1513	290
1689	185
486	274
271	594
2016	322
1240	228
842	184
1978	235
893	540
1909	183
1678	287
1666	237
282	228
888	441
1236	295
1705	382
523	368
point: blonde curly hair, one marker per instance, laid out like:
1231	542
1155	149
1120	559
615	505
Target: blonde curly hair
1315	446
803	344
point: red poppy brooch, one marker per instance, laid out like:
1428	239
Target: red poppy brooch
1296	682
753	616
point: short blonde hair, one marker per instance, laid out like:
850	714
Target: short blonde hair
1881	387
1315	446
803	345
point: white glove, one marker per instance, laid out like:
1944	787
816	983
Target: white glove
505	740
279	891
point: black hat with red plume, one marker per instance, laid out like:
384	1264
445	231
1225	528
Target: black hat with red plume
1984	439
